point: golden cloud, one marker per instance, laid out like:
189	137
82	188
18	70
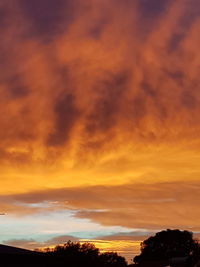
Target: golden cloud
95	97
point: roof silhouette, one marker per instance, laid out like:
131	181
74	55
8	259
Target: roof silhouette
14	250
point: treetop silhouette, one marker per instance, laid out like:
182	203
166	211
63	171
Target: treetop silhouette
168	244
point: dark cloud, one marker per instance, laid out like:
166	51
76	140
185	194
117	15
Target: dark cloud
107	107
152	8
150	15
139	109
148	89
188	100
66	114
175	41
178	76
3	16
191	14
97	29
16	87
49	18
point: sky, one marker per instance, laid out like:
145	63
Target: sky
99	125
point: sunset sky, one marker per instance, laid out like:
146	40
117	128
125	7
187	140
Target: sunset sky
100	121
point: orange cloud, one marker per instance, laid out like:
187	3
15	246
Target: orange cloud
103	104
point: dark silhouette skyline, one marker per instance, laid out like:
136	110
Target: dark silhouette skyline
172	248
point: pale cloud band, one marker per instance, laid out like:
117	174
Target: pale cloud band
135	206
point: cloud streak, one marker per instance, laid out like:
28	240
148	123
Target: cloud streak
134	206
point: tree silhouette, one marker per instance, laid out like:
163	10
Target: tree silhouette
86	254
168	244
112	259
